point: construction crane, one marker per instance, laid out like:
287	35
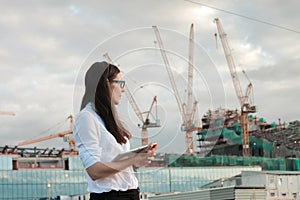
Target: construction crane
2	112
246	108
187	110
65	134
146	123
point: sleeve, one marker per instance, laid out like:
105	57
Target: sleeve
87	136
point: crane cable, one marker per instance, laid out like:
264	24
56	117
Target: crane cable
53	128
246	17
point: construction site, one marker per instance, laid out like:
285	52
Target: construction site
227	138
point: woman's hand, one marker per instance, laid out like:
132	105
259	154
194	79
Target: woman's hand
144	158
101	170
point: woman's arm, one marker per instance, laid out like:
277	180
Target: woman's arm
87	141
101	170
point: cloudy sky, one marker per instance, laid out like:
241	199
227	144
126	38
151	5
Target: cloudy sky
46	46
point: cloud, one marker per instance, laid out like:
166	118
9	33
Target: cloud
46	46
279	72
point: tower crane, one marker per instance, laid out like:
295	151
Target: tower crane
3	112
65	134
146	123
188	110
246	108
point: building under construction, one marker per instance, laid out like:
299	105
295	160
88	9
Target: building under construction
222	135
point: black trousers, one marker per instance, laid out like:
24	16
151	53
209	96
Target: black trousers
133	194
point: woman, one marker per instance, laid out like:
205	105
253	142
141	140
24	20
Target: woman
100	137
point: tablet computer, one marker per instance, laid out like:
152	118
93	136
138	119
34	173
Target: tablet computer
133	152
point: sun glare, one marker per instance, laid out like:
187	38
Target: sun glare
201	11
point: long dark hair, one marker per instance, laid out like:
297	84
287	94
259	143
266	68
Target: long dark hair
98	92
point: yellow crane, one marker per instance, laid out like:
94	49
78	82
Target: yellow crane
146	123
188	110
246	108
67	135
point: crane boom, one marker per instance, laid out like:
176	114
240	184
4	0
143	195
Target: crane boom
61	134
230	62
150	109
171	77
45	138
107	57
134	105
248	91
2	112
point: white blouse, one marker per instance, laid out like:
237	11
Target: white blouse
96	144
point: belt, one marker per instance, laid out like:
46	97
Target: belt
114	193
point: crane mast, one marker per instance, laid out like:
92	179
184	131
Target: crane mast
190	71
191	108
243	99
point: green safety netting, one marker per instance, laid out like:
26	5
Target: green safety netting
265	163
231	135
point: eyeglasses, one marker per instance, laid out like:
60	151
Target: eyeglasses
122	83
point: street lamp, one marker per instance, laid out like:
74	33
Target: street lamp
49	190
